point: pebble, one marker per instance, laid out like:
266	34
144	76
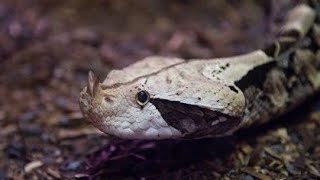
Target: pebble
64	121
15	29
2	175
290	168
65	104
27	117
2	115
31	129
15	151
72	166
247	177
61	102
5	12
87	36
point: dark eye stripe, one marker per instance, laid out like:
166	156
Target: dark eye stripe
194	121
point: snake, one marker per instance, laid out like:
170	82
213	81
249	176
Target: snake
172	98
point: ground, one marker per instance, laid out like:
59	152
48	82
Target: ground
47	48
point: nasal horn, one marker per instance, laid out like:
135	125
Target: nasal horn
93	83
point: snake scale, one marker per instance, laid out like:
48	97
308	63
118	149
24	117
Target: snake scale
163	98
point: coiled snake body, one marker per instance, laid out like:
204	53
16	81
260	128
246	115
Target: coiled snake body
161	97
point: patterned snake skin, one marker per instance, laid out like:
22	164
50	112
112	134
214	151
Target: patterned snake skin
162	97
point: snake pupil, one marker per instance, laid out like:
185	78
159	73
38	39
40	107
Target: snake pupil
142	97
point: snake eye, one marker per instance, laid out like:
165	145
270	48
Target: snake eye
142	97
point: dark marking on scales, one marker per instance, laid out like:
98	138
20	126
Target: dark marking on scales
256	77
234	89
193	120
219	70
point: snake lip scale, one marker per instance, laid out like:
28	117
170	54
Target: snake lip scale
167	98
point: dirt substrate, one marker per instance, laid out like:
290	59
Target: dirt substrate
47	48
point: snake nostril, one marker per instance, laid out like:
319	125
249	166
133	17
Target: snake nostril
108	99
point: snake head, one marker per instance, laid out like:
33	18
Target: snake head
123	111
165	101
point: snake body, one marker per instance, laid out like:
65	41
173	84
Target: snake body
161	97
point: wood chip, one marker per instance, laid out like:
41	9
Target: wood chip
10	129
247	149
76	133
251	172
81	175
75	115
32	166
283	134
2	115
271	153
54	173
313	170
315	116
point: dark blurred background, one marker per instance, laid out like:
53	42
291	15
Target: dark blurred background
48	46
